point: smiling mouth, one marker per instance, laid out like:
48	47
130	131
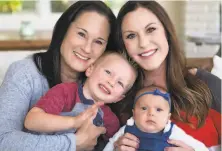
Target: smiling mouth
80	56
104	88
149	53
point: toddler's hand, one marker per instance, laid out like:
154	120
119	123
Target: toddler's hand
88	113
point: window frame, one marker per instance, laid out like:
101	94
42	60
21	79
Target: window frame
42	19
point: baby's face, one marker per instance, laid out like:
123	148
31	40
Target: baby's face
151	113
110	79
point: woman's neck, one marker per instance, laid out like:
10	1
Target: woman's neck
156	77
67	74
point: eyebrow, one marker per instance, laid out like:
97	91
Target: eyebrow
149	25
145	27
87	33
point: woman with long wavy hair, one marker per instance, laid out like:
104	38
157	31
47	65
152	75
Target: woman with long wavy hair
146	33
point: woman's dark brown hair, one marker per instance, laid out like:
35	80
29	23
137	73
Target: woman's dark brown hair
48	63
189	94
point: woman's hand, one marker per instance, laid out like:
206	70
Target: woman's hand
127	142
180	146
193	71
87	134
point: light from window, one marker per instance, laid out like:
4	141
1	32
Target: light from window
17	6
59	6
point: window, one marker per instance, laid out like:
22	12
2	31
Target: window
43	14
9	6
60	6
14	12
115	5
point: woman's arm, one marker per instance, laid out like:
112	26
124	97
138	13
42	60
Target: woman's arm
15	95
214	84
189	142
110	145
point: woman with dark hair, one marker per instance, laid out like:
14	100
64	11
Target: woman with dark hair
146	33
80	36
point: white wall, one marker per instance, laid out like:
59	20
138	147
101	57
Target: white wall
194	18
176	12
7	57
202	18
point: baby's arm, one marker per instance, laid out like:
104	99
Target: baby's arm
44	117
39	121
179	134
110	144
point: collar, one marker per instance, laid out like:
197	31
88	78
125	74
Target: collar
98	120
83	99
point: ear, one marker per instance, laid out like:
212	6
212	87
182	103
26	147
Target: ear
89	70
169	116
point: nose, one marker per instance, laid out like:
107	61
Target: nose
87	46
150	112
112	81
143	41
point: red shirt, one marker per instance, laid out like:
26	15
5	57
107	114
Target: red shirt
63	97
209	133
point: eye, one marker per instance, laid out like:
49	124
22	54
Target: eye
107	71
144	108
159	109
150	29
81	34
99	42
130	36
121	84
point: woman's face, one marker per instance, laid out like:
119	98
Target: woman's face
144	38
85	41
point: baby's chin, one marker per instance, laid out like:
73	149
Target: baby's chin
150	130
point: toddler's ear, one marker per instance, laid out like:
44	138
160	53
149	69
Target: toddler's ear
89	70
169	116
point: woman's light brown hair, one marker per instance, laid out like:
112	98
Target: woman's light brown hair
189	94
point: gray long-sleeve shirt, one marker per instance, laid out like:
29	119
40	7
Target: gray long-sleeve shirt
214	84
22	86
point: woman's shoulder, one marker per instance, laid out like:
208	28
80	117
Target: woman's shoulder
24	70
26	63
23	67
214	84
25	77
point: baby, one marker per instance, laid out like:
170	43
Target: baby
108	80
151	123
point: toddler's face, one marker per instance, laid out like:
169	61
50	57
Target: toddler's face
109	80
151	113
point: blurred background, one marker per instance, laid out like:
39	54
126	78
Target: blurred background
26	26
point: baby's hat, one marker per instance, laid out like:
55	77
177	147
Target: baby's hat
166	96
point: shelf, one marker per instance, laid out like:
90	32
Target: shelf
12	41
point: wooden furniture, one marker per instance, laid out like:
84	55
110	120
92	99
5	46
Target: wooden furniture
203	63
12	41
